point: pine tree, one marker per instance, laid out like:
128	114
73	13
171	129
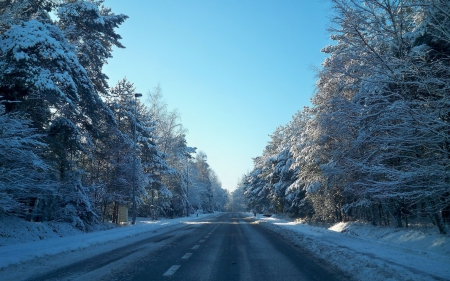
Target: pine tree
89	27
26	182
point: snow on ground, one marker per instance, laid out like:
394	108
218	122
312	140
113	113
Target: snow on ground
56	238
364	251
14	230
372	253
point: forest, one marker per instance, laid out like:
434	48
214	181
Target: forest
375	144
74	149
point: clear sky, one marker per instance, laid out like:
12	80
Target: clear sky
234	69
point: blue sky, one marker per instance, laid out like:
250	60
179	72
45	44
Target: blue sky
235	70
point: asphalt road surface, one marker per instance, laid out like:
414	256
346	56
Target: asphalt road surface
231	246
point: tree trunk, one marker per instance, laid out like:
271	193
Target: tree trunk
436	216
373	214
115	216
380	213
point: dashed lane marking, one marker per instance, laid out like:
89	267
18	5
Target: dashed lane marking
171	270
195	247
186	256
201	241
206	236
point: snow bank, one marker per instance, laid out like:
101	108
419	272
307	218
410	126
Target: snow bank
417	238
58	238
15	231
372	253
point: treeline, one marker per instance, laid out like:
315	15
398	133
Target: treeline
375	145
71	147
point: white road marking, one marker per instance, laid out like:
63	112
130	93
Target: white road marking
201	241
206	236
186	256
171	270
195	247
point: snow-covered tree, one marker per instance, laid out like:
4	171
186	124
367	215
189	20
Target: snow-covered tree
39	68
220	195
238	201
90	27
374	146
399	86
137	135
26	183
200	192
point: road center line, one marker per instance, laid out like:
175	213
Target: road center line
195	247
201	241
186	256
171	270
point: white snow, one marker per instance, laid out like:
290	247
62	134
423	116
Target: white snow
12	251
366	252
369	252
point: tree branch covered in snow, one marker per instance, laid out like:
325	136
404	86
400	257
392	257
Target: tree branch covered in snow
82	146
375	145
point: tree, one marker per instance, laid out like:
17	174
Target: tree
375	143
400	150
134	118
219	194
238	200
170	139
15	11
201	195
41	73
89	26
26	182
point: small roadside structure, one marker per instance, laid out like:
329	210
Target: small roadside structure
123	214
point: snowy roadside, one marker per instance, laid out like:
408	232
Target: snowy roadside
19	253
364	251
372	253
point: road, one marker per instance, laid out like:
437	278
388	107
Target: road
227	247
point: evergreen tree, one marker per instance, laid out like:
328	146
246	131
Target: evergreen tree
26	183
90	28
